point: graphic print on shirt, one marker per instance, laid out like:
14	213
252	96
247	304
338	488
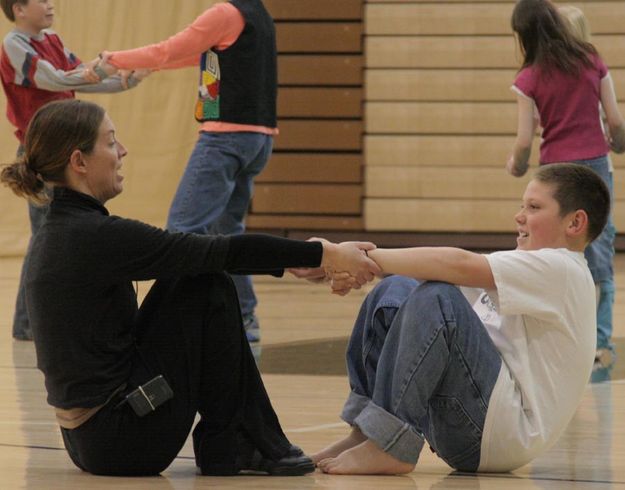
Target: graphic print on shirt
207	106
486	310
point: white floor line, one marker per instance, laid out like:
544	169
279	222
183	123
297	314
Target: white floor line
315	428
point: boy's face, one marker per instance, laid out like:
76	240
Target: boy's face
35	15
539	222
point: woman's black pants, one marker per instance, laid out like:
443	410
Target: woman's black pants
190	331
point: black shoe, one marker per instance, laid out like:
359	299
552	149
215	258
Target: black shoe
294	463
250	460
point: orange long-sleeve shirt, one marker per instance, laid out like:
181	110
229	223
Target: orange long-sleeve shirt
218	27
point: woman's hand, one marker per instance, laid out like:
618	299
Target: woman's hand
350	257
316	274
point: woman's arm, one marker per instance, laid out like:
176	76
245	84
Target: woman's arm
255	253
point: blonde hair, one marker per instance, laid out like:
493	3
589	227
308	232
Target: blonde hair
576	22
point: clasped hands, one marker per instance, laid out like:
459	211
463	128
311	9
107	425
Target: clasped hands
101	65
345	266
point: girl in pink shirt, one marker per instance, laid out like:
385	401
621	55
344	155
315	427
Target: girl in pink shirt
561	86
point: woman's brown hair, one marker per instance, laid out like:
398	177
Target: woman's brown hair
54	132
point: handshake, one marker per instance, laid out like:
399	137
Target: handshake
99	68
345	266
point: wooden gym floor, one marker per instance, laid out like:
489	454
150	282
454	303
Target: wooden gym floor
301	356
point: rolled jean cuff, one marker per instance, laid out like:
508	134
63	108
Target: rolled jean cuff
353	406
392	435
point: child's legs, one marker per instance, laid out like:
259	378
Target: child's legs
255	150
206	185
367	339
21	326
439	365
604	314
600	257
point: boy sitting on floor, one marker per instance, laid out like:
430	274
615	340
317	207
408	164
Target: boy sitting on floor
489	373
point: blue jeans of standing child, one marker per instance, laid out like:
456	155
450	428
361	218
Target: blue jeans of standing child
216	189
21	326
421	366
600	257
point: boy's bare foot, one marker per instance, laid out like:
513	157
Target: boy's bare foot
364	459
354	438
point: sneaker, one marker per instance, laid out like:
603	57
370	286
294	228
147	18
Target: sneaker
252	328
23	334
604	357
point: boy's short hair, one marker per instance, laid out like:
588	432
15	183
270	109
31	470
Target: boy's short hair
7	7
578	187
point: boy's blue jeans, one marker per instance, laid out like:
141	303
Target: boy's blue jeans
216	189
21	326
600	257
421	366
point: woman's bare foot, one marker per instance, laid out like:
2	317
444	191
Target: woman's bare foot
354	438
364	459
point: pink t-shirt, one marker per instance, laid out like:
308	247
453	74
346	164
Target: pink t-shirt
218	27
569	111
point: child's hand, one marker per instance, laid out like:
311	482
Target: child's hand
104	65
515	169
87	71
343	282
138	75
141	73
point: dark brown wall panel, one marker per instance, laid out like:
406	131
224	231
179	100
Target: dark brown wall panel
320	69
319	135
314	177
304	222
313	167
320	102
315	9
307	198
319	37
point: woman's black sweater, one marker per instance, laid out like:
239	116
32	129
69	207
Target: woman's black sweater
79	294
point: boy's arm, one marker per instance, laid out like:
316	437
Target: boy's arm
33	71
110	84
447	264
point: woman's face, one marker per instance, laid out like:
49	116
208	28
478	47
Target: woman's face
104	163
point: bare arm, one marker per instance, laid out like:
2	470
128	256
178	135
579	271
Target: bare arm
526	126
452	265
616	124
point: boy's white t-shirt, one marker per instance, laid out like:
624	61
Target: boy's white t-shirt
542	319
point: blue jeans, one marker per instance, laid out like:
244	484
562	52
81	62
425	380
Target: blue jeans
600	257
216	189
421	366
21	326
